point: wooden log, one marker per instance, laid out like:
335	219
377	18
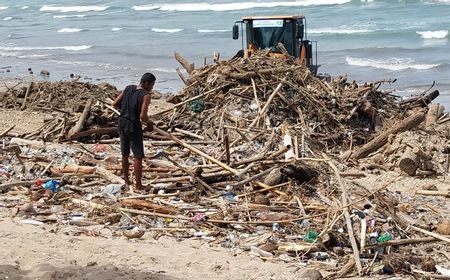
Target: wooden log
24	142
226	143
108	175
379	141
433	114
188	133
5	132
432	234
409	162
186	65
274	177
79	126
298	247
434	193
420	101
74	169
24	104
144	204
253	178
182	77
113	131
420	153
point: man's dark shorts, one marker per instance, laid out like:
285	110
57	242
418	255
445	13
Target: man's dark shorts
133	140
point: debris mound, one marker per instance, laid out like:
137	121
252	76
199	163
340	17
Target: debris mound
263	92
253	155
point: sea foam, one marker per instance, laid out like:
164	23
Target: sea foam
69	30
163	70
439	34
67	48
198	7
213	30
70	9
339	31
69	16
392	64
163	30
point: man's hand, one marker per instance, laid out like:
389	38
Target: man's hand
149	127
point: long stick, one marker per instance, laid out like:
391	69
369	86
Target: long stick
140	212
190	173
206	156
271	97
346	215
401	242
26	95
432	234
7	130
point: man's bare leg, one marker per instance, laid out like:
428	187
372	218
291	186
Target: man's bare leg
126	169
138	173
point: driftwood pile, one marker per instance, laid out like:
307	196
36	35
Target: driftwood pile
261	93
77	110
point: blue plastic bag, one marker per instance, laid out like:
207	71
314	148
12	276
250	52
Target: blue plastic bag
52	185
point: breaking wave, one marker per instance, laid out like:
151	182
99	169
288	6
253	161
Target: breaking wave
163	70
339	31
69	30
393	64
4	7
69	16
69	9
8	54
440	34
212	30
67	48
440	1
115	29
7	18
163	30
199	7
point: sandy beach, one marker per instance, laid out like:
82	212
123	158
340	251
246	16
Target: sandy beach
50	252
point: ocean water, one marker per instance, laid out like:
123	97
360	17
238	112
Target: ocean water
117	41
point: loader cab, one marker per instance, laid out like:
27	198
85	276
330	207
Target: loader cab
264	33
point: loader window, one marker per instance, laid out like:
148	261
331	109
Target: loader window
267	37
268	33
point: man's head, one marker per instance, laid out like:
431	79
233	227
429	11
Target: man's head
148	81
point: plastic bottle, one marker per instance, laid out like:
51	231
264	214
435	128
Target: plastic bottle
311	236
384	237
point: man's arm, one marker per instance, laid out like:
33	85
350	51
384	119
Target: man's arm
118	100
144	112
